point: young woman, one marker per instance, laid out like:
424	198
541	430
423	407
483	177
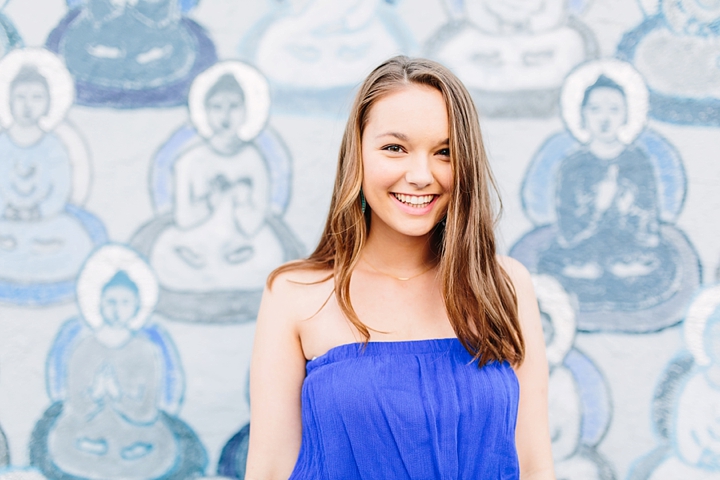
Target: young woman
403	347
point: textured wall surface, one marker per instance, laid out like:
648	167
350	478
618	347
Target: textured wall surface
158	158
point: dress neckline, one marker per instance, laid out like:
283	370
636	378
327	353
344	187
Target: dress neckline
395	347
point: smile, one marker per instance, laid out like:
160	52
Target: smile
417	201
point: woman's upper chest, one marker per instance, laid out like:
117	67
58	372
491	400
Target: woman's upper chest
389	304
392	310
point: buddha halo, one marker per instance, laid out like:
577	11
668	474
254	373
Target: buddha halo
622	73
256	93
100	268
60	84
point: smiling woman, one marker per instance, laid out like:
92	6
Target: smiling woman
436	367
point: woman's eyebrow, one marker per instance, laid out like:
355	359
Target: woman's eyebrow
405	138
399	136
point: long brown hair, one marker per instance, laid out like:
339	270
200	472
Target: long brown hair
479	297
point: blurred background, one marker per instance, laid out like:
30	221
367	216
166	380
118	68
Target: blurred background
158	158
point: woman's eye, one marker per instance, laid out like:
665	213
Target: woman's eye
445	152
393	148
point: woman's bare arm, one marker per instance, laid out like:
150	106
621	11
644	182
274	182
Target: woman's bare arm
532	435
276	376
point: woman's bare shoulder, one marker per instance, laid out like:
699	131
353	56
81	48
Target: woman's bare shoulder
519	275
301	279
300	291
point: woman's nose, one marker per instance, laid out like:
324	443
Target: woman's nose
419	174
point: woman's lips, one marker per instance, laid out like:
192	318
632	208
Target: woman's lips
418	201
415	204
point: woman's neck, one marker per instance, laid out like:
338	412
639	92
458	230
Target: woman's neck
397	254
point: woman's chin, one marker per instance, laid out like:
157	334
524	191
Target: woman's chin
415	227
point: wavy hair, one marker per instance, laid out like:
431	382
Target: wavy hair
479	297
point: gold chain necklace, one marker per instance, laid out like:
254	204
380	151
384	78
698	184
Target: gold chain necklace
403	279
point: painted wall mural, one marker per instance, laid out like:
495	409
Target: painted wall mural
687	400
45	235
604	195
579	399
4	450
513	56
226	179
676	49
314	52
21	474
158	158
9	36
233	458
116	383
132	53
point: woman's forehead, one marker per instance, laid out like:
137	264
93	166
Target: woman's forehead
413	109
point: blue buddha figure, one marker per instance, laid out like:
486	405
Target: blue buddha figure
117	382
225	233
513	55
686	35
9	36
575	429
44	176
314	52
31	192
131	53
608	244
607	198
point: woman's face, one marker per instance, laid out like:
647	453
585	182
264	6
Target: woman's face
29	101
225	112
408	178
118	305
604	113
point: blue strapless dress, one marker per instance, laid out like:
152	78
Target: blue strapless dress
407	410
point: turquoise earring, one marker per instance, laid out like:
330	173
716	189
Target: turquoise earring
363	205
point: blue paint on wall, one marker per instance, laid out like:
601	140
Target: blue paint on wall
233	458
9	36
570	235
46	293
132	56
316	56
116	384
669	102
513	57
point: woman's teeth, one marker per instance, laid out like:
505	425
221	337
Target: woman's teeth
415	200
